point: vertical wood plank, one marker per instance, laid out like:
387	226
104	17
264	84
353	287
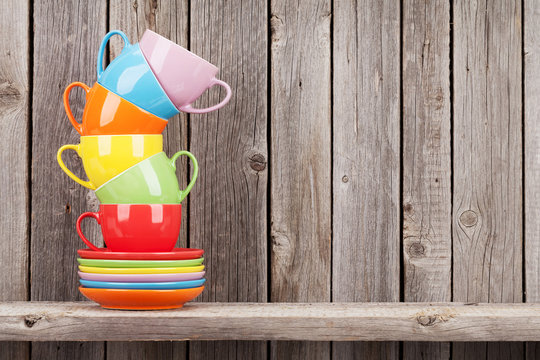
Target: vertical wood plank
14	350
487	204
532	158
532	150
14	177
427	198
66	40
168	18
228	203
301	161
533	351
366	177
147	350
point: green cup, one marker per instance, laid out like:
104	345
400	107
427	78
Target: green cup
152	181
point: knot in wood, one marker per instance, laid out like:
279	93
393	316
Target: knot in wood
417	250
92	201
468	218
437	99
431	317
257	162
427	320
407	207
281	248
31	320
9	93
280	240
276	23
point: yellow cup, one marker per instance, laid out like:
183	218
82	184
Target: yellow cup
106	156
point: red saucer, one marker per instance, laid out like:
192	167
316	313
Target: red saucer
175	254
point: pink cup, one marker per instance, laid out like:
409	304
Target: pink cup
183	75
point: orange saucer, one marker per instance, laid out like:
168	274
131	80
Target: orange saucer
140	299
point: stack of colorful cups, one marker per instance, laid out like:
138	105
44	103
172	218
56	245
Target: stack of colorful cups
121	148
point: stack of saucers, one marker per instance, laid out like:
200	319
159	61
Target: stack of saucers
141	280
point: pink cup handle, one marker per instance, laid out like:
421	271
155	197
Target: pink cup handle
190	109
79	231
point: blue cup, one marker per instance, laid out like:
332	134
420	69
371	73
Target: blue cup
130	77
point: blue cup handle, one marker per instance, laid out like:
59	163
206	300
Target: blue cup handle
100	68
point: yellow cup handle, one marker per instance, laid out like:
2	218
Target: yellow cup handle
86	184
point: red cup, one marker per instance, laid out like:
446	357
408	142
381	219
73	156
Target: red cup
136	227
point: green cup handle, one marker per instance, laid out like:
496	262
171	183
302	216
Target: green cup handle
185	192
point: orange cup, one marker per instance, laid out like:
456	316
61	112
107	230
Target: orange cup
106	113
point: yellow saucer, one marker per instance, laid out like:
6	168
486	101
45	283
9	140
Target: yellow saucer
166	270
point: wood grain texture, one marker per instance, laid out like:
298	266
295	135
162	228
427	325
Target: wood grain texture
169	18
426	350
228	203
171	350
366	176
427	246
427	197
487	198
301	166
75	321
532	351
14	350
532	158
14	176
532	150
65	50
14	152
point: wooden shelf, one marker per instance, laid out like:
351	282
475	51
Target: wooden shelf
85	321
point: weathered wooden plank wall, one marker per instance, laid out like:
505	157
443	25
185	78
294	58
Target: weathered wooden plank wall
14	173
427	197
228	213
487	161
531	15
301	165
65	45
401	140
366	184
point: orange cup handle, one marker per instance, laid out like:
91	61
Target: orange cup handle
95	215
76	125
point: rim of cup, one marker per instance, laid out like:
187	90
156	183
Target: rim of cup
114	177
181	47
132	103
122	135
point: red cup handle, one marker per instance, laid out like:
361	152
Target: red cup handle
95	215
